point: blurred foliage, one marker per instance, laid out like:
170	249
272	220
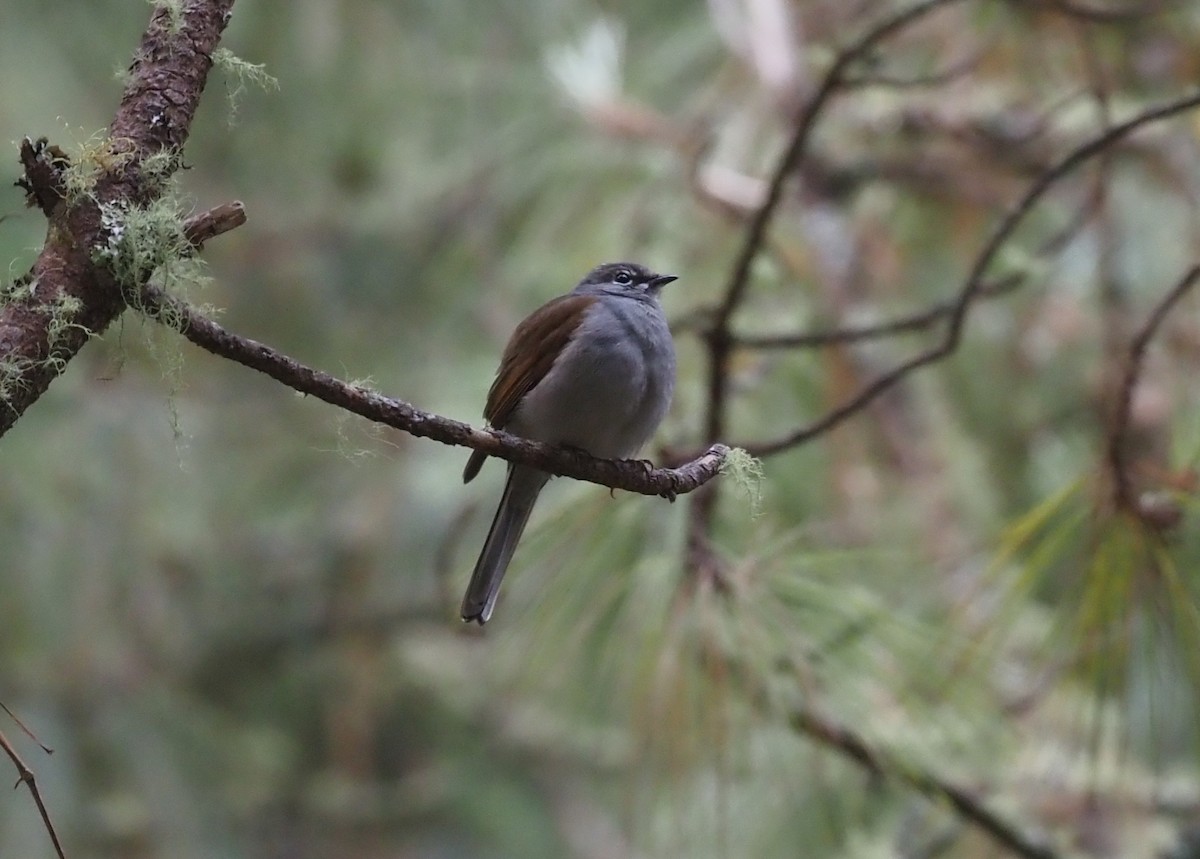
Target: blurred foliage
232	610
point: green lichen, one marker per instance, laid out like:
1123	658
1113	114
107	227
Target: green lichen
746	472
13	375
91	159
350	430
141	240
61	313
147	244
143	244
366	383
241	73
18	289
158	169
100	154
138	244
174	13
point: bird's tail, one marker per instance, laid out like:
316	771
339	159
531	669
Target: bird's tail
520	494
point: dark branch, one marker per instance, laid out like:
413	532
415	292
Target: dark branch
632	476
833	82
66	284
849	744
789	162
215	222
24	729
952	72
1100	14
974	284
845	741
920	321
1118	438
719	339
165	84
43	164
26	777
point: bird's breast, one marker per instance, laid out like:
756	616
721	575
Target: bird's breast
610	387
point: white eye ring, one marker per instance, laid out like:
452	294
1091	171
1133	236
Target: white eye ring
623	277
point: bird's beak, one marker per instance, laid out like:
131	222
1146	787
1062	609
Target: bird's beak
660	280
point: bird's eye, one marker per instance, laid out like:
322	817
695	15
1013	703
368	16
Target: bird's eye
623	277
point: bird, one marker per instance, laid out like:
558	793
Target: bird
593	369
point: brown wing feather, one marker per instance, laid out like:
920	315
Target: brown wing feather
531	352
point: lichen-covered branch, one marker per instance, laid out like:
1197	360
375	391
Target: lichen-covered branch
68	296
632	476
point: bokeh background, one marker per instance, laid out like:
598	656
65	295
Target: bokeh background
231	610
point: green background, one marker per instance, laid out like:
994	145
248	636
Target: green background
232	610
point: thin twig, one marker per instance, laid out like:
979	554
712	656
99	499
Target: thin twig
45	748
912	323
1099	15
25	776
719	340
851	745
831	84
1118	438
845	741
974	282
950	73
630	475
921	320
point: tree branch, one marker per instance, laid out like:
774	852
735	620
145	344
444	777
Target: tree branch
1118	439
66	284
919	321
26	777
974	284
630	475
739	280
852	746
912	323
840	738
719	340
1099	14
217	221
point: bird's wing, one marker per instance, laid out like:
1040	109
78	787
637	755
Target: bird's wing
531	351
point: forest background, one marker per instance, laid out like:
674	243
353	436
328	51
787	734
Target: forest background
935	263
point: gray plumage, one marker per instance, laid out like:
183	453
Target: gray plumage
606	392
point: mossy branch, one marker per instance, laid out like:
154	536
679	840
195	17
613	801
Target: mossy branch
632	476
72	292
